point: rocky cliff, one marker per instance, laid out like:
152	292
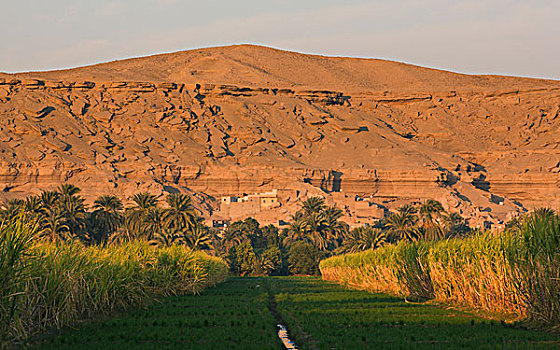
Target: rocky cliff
485	146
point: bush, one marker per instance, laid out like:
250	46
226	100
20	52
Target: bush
271	261
243	259
304	259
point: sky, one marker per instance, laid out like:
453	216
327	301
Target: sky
510	37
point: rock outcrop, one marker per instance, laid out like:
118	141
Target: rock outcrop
488	152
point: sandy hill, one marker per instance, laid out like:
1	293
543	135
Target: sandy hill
249	65
244	119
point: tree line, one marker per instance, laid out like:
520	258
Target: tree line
314	232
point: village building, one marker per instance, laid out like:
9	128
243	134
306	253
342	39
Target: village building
241	207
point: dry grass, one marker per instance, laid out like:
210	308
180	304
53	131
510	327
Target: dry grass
54	285
515	272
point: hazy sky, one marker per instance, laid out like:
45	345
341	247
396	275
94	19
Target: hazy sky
511	37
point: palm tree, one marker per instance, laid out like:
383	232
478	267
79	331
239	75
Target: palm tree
33	205
454	224
316	230
313	205
53	225
408	209
251	230
233	236
429	212
107	216
12	208
49	199
137	215
334	229
297	229
68	190
144	201
164	237
265	264
218	246
125	232
33	208
199	237
180	213
545	213
74	211
363	238
153	222
401	226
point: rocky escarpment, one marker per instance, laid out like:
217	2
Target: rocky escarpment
487	154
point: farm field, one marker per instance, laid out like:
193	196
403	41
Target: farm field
318	314
232	315
322	315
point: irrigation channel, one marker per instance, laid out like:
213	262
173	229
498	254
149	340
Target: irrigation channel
244	313
282	330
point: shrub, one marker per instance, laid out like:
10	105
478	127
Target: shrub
304	259
271	261
243	259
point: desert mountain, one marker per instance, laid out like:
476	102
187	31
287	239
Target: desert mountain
244	119
257	66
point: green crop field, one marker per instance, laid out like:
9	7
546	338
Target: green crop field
233	315
318	314
322	315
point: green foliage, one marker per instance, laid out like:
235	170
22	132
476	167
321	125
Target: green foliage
48	285
141	215
401	225
313	205
180	214
62	216
318	314
363	238
317	224
232	315
243	259
199	236
106	217
16	239
322	315
304	259
516	271
533	251
321	226
271	236
454	225
414	272
251	249
429	212
269	262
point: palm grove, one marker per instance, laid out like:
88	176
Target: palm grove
314	232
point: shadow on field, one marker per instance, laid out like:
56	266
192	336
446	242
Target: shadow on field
336	318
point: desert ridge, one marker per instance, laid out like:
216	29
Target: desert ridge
245	120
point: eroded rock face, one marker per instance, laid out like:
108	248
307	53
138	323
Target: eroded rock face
487	154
